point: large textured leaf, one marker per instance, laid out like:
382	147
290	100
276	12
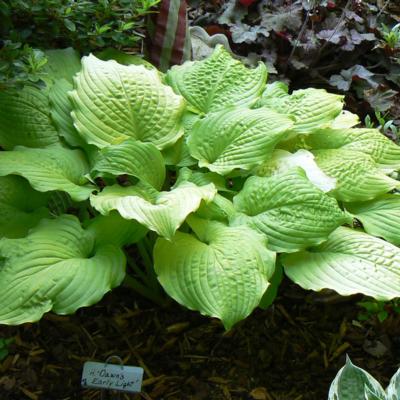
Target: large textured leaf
21	207
289	210
162	212
238	138
353	383
311	108
114	102
61	107
56	267
53	168
217	82
141	160
61	64
369	141
281	161
113	229
380	217
221	272
357	176
25	119
349	262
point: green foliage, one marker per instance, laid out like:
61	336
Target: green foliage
380	309
353	383
209	179
4	343
391	36
27	25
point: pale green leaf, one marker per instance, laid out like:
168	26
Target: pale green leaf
380	217
288	209
209	272
113	229
52	168
61	64
123	58
357	175
353	383
61	107
345	120
369	141
162	212
282	161
348	262
56	267
21	207
114	102
25	119
311	108
217	82
238	138
133	158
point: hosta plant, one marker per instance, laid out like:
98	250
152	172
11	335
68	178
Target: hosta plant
353	383
206	179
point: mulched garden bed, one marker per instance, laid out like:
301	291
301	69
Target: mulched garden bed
292	351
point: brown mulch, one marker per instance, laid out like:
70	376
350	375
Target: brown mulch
292	351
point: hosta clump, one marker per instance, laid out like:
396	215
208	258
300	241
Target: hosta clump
222	178
353	383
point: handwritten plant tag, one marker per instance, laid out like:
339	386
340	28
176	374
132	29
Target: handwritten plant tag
99	375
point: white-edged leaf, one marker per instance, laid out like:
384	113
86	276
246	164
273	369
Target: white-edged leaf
348	262
52	168
220	271
380	217
357	175
21	207
218	82
56	267
25	119
237	138
131	157
162	212
288	209
353	383
114	102
393	390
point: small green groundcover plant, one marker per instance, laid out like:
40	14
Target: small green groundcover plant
221	180
353	383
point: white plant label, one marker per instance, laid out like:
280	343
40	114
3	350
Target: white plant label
99	375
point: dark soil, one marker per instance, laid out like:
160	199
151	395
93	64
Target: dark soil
292	351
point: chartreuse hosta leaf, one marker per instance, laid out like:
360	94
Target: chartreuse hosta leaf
114	102
380	217
217	82
220	271
141	160
312	108
162	212
61	64
56	267
115	229
357	175
21	207
369	141
289	210
52	168
61	107
348	262
282	161
237	138
353	383
25	119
